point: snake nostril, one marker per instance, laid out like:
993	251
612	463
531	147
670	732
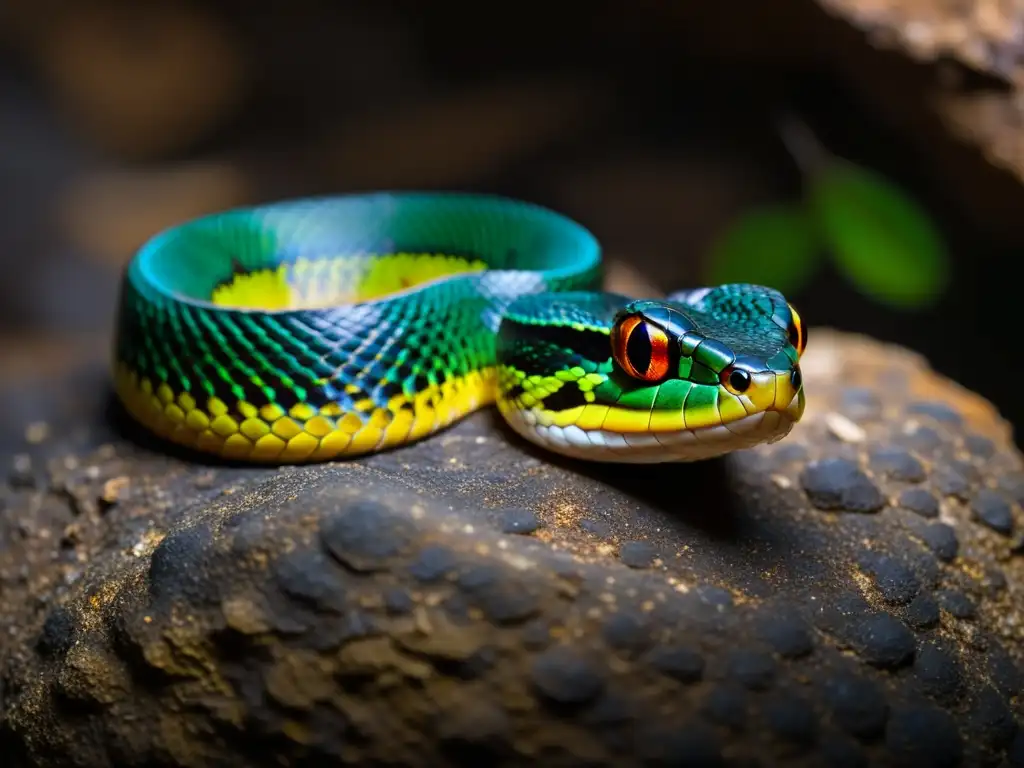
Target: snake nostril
796	379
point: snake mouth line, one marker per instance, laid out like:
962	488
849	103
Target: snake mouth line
767	426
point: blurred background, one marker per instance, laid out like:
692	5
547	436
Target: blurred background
656	123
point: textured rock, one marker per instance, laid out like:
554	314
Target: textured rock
472	601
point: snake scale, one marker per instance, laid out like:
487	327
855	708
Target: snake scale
322	328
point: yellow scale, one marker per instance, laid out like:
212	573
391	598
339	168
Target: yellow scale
269	433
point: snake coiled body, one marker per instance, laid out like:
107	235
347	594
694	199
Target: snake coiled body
323	328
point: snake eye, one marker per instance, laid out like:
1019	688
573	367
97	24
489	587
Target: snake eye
797	334
640	348
736	380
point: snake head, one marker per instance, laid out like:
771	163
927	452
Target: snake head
715	369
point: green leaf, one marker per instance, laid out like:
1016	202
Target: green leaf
776	245
882	240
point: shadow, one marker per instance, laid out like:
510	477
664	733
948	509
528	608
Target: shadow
684	491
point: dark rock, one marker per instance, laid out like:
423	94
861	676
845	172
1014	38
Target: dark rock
433	563
598	528
627	631
957	604
791	717
992	719
939	672
980	446
924	737
857	704
993	510
522	521
727	706
923	439
920	501
786	633
638	554
939	411
753	669
895	580
365	534
564	676
923	612
883	641
897	464
949	482
941	539
839	484
683	664
58	633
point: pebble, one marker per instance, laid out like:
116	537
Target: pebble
563	676
897	464
991	509
839	484
521	521
637	554
941	539
920	501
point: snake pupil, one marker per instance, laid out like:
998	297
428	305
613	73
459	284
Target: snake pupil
638	349
739	380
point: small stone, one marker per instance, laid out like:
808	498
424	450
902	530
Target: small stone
786	633
949	482
682	664
896	581
923	612
938	671
897	464
941	412
844	429
923	439
753	669
993	510
1012	484
637	554
365	534
860	402
857	705
310	577
920	501
993	718
627	631
941	539
979	446
58	633
924	737
839	484
564	677
883	641
791	718
598	528
502	598
398	602
433	562
726	706
521	521
957	604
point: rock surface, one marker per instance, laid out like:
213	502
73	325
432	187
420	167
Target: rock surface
850	596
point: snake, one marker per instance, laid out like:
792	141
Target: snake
321	328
